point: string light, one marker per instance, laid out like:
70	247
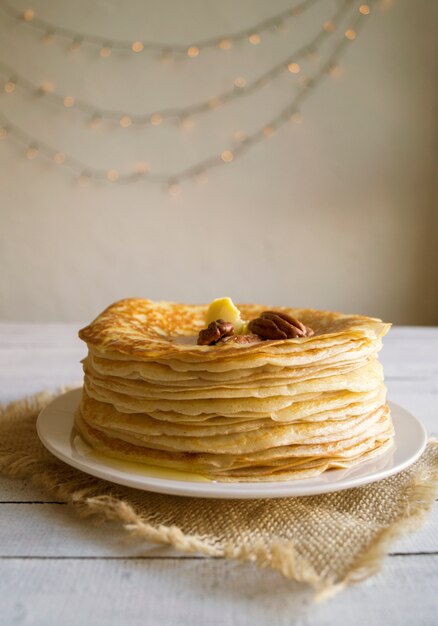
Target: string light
350	34
95	121
59	158
9	87
137	46
28	15
329	27
364	9
142	168
47	87
125	121
296	117
156	119
240	88
255	39
48	38
112	175
290	112
240	82
32	152
293	68
3	132
227	156
335	70
225	44
193	52
221	42
174	189
105	51
69	101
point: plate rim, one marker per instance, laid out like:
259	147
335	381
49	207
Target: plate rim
221	490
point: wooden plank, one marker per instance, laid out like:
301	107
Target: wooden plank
56	530
210	592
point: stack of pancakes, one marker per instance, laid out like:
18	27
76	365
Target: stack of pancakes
272	410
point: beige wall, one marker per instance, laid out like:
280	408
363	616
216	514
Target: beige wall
336	212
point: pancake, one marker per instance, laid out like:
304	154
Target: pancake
268	409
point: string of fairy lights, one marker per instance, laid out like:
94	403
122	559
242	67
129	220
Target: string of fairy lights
242	141
240	88
165	51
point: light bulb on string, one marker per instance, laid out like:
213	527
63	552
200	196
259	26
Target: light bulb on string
59	158
227	156
225	44
142	168
9	87
68	102
350	34
3	132
105	51
255	39
268	131
156	119
112	175
125	121
329	26
137	46
32	152
294	68
193	52
364	9
239	82
28	15
174	188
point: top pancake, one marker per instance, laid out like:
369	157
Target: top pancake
146	330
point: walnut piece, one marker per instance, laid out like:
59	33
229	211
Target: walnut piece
276	325
214	332
241	339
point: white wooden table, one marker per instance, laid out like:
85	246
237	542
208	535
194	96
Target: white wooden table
56	569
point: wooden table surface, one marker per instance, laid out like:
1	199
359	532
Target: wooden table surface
56	569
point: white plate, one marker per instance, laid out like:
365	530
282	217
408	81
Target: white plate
56	431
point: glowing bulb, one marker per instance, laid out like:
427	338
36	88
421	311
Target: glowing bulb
75	45
186	123
156	119
239	82
28	15
59	158
112	175
240	136
69	101
48	38
296	117
47	87
84	179
201	177
225	44
193	52
174	189
364	9
350	34
9	86
142	167
335	70
268	131
95	121
227	156
32	152
214	103
3	132
137	46
125	121
329	27
293	68
255	39
105	51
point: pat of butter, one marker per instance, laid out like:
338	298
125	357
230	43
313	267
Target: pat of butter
225	309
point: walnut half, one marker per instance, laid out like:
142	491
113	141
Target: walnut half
276	325
214	332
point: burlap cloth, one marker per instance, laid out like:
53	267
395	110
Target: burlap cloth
327	541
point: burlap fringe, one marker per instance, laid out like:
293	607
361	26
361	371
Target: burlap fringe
282	556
